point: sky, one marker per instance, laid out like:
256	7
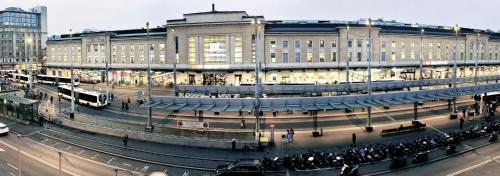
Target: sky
128	14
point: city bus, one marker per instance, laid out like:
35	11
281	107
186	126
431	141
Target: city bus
88	98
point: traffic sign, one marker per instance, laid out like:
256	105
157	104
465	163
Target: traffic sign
192	124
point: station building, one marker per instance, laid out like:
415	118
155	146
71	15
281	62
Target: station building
221	48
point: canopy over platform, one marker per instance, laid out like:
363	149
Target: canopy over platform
314	103
18	108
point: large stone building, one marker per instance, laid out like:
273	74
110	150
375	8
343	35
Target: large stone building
221	48
23	34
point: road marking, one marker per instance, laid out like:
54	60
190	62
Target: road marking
45	140
165	171
109	161
53	145
126	164
467	146
67	148
80	152
145	168
11	174
437	130
34	132
2	150
95	156
470	168
10	123
185	173
12	166
389	117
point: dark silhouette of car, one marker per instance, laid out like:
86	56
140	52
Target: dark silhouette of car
244	167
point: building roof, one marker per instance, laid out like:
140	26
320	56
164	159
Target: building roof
116	33
21	100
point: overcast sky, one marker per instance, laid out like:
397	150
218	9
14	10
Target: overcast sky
127	14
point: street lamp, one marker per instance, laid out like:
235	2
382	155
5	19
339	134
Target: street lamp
72	112
19	154
256	24
347	61
149	126
456	29
369	128
477	58
421	58
30	77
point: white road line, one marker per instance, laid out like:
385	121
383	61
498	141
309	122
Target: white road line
145	168
45	140
2	150
67	148
437	130
12	166
11	174
34	132
95	156
126	164
389	117
10	123
109	161
165	171
470	168
467	146
80	152
53	145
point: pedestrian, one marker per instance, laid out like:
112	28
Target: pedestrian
126	106
242	123
51	99
125	140
292	132
354	139
463	111
112	97
288	135
123	105
461	123
128	100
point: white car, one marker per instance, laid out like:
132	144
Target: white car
4	130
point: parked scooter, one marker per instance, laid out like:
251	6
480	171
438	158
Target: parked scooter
450	149
493	137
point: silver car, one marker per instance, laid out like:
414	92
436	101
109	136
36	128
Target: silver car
4	130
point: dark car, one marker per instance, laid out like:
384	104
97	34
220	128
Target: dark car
244	167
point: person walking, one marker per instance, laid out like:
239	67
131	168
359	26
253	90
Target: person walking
243	123
292	133
125	140
354	139
51	99
463	112
461	123
288	136
128	100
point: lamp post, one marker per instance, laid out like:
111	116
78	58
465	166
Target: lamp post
30	72
347	61
19	154
454	107
72	112
421	58
149	126
369	127
256	24
477	58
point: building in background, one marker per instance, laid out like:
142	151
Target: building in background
23	34
221	47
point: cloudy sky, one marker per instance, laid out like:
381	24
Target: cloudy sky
126	14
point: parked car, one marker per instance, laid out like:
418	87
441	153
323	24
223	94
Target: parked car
4	130
244	167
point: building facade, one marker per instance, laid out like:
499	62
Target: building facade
222	48
23	35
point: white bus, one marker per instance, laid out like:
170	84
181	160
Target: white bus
56	80
84	97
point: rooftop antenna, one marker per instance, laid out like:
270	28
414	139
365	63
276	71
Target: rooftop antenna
213	7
